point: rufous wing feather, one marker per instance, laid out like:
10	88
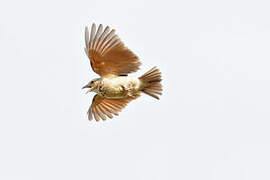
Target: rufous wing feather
101	108
107	53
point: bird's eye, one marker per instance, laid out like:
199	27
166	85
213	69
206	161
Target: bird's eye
91	82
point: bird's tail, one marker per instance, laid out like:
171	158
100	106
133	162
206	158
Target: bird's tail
151	83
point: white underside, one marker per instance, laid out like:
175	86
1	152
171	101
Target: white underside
121	81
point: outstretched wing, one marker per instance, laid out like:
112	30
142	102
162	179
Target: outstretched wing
102	107
108	55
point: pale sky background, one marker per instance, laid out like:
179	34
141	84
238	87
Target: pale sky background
212	123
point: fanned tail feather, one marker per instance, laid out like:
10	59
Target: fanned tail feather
151	83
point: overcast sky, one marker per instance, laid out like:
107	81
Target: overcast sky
212	122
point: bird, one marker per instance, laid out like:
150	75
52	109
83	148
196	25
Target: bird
113	61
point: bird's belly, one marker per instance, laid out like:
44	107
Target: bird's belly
120	87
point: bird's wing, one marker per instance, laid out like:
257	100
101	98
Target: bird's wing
102	107
107	53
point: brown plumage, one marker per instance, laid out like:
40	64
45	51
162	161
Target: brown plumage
113	61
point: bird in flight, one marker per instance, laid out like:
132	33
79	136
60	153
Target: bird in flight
113	61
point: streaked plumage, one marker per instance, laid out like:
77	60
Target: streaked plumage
113	61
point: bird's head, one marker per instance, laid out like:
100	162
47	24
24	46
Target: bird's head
92	85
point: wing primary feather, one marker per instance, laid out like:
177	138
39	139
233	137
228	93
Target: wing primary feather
106	40
90	117
120	105
111	109
101	38
112	106
95	114
86	37
100	113
109	36
114	102
113	44
96	39
117	105
108	43
86	51
105	111
100	28
93	32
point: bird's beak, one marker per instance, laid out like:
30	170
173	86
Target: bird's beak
89	90
87	86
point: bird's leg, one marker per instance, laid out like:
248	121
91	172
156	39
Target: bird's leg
126	91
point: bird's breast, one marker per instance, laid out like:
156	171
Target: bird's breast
119	87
